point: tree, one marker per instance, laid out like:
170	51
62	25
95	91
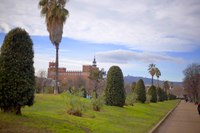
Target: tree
158	74
192	81
55	16
96	76
140	91
152	71
114	92
40	81
133	86
166	86
153	93
17	80
160	94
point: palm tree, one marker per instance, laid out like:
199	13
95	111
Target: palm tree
55	16
158	74
152	71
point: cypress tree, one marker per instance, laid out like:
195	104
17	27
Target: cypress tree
140	91
153	93
160	94
114	92
17	80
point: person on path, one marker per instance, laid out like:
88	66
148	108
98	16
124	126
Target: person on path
198	108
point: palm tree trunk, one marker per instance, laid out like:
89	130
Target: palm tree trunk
158	82
56	78
152	80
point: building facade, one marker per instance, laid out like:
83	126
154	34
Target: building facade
72	78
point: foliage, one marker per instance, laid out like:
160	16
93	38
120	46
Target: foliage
131	99
55	16
74	104
148	98
83	92
192	81
171	96
166	86
96	76
140	91
153	93
161	95
114	92
158	74
17	80
133	86
97	103
152	71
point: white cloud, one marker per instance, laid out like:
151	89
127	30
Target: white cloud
140	24
125	57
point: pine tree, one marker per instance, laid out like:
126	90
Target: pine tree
17	80
114	92
140	91
153	93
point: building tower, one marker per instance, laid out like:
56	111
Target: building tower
94	63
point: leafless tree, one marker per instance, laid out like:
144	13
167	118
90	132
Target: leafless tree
192	81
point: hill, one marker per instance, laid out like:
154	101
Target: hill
147	81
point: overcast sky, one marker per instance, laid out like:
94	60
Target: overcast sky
128	33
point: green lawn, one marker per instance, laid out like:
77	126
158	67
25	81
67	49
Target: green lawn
48	114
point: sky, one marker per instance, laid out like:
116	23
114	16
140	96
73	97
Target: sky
129	33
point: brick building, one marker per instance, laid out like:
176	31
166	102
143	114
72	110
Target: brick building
72	78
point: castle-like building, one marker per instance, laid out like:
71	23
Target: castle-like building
65	76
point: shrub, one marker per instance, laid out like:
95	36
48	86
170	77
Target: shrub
160	94
153	93
17	80
97	103
74	104
140	91
114	92
131	99
83	92
171	96
148	98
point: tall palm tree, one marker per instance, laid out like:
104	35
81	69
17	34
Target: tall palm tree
55	16
158	74
152	71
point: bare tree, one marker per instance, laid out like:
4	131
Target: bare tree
192	81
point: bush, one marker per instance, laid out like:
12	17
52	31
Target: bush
114	92
140	91
131	99
153	93
171	96
97	103
160	93
148	98
74	104
17	80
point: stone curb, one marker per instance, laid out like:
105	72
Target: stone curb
163	119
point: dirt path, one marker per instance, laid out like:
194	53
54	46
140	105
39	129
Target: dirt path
184	119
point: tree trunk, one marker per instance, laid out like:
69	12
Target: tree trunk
56	78
152	80
18	110
158	82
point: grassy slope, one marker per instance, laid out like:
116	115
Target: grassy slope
49	115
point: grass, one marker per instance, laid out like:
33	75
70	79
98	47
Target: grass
49	114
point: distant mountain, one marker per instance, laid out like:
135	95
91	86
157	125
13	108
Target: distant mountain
147	81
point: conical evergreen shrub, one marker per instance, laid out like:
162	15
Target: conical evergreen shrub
140	91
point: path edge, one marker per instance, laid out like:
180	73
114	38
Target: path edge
163	119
